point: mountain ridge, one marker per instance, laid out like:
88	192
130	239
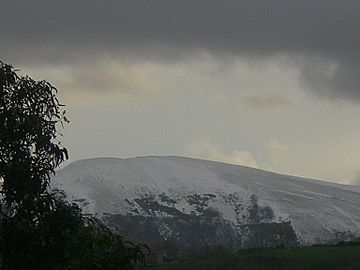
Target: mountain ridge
298	177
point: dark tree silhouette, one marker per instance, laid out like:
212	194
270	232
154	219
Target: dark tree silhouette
29	153
39	229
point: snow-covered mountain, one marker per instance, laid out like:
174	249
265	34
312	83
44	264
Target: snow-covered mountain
181	199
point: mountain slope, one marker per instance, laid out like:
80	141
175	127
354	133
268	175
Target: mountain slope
240	201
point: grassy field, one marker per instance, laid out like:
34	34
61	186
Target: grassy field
319	258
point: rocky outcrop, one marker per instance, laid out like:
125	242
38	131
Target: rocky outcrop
202	231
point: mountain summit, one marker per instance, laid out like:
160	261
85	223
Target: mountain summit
200	203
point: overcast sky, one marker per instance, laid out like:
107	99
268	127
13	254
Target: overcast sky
272	84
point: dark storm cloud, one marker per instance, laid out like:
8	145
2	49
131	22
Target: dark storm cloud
323	35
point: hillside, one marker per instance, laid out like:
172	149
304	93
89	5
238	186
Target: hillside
199	203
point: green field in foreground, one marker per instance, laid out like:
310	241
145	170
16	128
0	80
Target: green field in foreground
325	257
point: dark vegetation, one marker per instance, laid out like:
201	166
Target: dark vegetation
341	257
39	229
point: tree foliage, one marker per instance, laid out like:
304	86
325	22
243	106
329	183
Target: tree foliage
39	228
29	153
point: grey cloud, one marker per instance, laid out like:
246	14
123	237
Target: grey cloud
268	102
108	78
50	31
103	76
333	80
